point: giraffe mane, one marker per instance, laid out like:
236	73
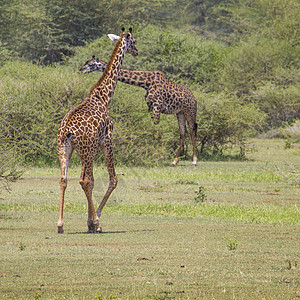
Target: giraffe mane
109	65
108	68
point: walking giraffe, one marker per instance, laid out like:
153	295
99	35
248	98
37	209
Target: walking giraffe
88	127
162	96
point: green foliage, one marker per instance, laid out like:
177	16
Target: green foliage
22	246
265	71
249	83
188	60
280	19
184	57
280	104
231	244
257	60
33	101
224	120
9	171
136	139
46	31
201	196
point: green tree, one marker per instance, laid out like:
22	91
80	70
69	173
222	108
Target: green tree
47	30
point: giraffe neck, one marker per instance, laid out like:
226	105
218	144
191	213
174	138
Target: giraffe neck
105	87
132	77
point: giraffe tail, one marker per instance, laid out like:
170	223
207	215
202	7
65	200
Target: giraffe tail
64	136
195	128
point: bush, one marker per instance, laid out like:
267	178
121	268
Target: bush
224	120
136	139
254	61
8	167
281	104
33	101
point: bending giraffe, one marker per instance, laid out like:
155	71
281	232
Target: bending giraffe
162	96
88	127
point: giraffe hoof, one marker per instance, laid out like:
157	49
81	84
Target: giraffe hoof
99	230
91	228
194	165
60	230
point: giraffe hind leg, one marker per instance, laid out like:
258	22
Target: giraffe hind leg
64	153
193	137
182	128
113	180
193	133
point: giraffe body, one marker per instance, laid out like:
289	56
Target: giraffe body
162	96
88	127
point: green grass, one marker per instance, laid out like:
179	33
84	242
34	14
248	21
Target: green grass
234	213
241	241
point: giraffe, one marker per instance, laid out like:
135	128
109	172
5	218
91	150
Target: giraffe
88	127
162	96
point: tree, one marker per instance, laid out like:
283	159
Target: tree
45	31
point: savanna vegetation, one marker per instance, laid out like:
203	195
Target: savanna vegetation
222	230
228	228
240	58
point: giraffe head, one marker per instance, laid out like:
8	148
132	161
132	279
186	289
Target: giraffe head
129	40
92	65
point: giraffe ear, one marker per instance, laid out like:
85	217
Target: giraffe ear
113	37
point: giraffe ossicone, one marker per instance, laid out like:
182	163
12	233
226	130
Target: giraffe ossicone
162	96
88	127
113	37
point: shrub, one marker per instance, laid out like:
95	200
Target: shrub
8	167
33	101
254	61
136	139
279	103
224	120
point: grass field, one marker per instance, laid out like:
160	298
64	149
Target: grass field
221	230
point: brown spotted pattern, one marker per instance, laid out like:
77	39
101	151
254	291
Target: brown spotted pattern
162	96
88	127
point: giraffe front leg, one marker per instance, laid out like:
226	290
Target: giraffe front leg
87	184
156	113
93	220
